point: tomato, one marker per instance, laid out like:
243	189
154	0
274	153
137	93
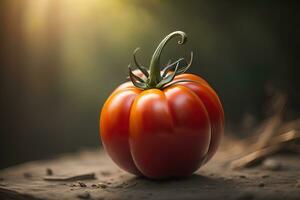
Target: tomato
164	123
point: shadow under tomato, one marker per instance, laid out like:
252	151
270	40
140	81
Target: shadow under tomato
193	187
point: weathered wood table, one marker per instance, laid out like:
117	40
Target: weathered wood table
92	175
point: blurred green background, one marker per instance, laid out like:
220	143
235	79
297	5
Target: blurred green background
60	60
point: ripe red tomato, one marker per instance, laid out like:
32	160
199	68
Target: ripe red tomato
159	127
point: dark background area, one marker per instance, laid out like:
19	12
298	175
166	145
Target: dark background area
60	60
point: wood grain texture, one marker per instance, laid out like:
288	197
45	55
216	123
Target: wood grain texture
214	181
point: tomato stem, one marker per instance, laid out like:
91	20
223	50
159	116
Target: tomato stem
155	78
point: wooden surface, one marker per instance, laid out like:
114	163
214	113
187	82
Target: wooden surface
213	181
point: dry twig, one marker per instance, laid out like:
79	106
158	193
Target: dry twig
274	136
71	178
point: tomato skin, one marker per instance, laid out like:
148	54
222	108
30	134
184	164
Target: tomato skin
114	125
162	133
214	107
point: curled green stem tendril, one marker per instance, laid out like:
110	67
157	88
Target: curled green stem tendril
155	78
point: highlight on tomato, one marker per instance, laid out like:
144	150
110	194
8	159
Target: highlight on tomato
163	122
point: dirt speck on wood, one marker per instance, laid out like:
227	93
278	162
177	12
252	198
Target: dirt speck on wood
49	172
